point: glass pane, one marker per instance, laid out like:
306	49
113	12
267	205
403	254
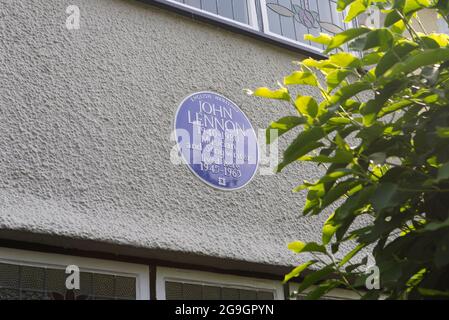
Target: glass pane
103	285
9	294
225	8
85	284
9	275
125	287
192	291
194	3
274	20
248	295
232	9
173	291
33	295
287	21
32	278
56	281
210	6
265	295
186	291
230	294
240	10
211	293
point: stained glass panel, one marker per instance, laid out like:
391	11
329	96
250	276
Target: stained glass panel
293	19
18	282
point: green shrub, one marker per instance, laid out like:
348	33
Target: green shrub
385	157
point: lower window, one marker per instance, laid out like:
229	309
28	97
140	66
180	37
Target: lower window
179	284
191	291
39	276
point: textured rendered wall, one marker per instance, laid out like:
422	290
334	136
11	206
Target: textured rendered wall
85	122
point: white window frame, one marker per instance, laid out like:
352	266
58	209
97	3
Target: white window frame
266	29
59	261
164	274
252	14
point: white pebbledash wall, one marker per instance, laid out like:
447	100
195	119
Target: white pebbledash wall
85	123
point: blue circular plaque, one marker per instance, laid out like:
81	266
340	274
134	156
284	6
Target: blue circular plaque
216	140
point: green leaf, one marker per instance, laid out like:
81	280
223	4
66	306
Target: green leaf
420	59
443	172
323	38
407	8
341	156
323	65
371	58
440	38
329	229
384	196
373	106
394	55
307	106
338	191
443	7
391	18
411	6
436	225
300	247
357	7
382	38
345	36
378	157
345	60
301	78
358	198
283	125
394	107
351	254
305	142
280	94
338	120
398	27
314	277
443	132
433	293
342	4
353	267
296	272
348	92
322	289
334	78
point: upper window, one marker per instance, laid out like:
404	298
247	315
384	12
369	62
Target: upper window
241	11
288	20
